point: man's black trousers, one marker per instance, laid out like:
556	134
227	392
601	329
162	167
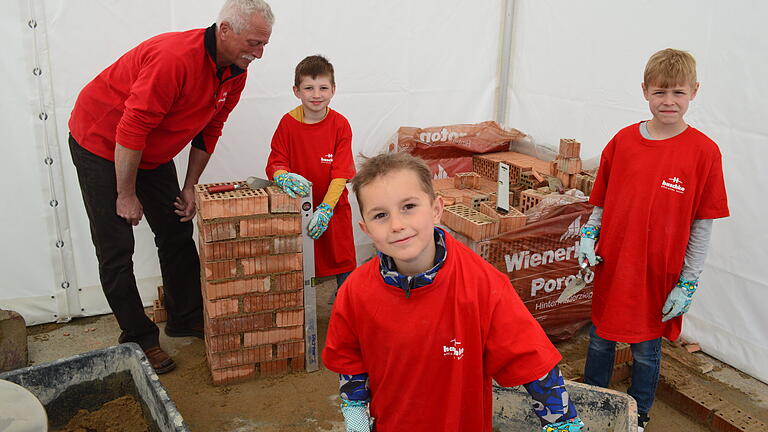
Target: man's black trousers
112	237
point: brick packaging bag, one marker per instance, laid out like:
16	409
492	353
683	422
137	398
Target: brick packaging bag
540	259
448	149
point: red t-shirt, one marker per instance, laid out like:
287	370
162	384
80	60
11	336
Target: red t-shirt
157	97
320	152
651	191
431	357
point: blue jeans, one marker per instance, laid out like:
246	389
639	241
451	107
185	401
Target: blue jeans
340	278
645	367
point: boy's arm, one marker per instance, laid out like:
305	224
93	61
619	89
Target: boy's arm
679	299
589	235
552	404
355	397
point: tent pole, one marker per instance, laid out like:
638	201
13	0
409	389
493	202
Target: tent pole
505	61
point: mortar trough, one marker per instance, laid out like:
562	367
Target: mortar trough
88	380
602	410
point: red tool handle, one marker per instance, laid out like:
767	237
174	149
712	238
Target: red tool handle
221	188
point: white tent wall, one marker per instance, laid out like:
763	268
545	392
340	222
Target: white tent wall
398	63
577	69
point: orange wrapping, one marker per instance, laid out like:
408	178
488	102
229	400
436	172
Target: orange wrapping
448	150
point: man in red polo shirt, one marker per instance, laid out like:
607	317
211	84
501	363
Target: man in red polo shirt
127	125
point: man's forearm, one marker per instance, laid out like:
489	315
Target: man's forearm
126	166
198	159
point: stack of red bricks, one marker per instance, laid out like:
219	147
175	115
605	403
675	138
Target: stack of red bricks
159	313
252	280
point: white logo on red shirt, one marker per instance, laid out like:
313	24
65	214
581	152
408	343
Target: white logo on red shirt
223	97
327	159
674	184
453	350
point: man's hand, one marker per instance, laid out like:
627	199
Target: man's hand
129	208
293	184
319	222
679	299
185	205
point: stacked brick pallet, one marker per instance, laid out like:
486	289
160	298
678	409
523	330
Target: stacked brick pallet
159	313
251	257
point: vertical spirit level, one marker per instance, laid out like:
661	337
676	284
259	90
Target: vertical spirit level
310	296
502	191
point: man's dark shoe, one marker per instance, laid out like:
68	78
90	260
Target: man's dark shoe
193	331
160	361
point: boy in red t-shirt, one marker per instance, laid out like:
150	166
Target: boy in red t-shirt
658	188
419	331
313	145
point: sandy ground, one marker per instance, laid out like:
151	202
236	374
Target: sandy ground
309	401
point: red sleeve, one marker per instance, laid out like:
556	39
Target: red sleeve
342	353
279	155
517	349
151	96
343	161
597	196
714	200
212	131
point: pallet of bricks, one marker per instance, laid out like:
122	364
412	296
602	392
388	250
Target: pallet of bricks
539	258
252	282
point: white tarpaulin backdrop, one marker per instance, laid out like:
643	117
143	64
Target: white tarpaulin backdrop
576	69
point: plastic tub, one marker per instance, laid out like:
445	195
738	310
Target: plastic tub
88	380
602	410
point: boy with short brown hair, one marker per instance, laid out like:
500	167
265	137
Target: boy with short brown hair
420	331
313	144
659	186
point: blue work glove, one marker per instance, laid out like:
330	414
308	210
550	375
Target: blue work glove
293	184
356	417
319	222
589	236
573	425
679	299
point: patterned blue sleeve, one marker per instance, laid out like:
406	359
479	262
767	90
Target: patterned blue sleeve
354	387
551	401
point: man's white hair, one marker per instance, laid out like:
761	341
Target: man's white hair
237	12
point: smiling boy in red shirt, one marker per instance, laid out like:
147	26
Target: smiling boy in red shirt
420	331
313	145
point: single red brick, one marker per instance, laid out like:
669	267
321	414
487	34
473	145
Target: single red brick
221	308
211	232
242	324
241	357
273	336
233	374
280	202
237	287
263	302
270	226
275	367
283	245
223	343
272	264
289	318
290	349
297	364
733	419
228	250
287	281
220	270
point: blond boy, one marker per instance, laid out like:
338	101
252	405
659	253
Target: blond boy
659	186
